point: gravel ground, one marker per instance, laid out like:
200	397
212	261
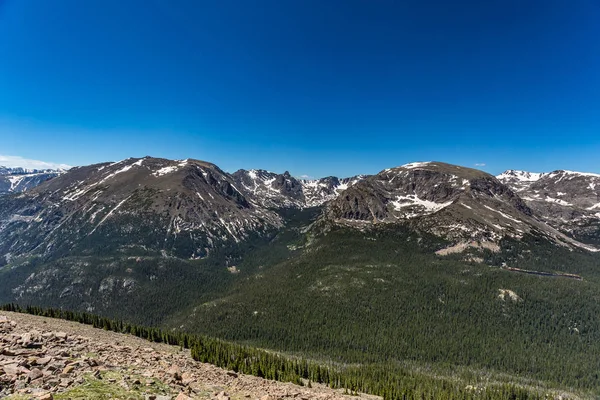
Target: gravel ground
66	360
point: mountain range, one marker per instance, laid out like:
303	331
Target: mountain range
413	252
20	179
189	207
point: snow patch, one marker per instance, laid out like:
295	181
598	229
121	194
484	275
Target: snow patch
416	165
110	213
557	201
124	169
521	176
166	170
426	206
503	214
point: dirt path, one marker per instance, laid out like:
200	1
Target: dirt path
45	358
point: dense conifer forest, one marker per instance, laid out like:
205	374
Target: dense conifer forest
387	380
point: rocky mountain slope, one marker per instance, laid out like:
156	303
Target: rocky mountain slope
460	204
44	358
184	207
566	200
20	179
273	190
187	208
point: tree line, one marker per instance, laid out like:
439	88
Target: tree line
392	382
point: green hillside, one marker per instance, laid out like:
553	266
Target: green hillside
382	296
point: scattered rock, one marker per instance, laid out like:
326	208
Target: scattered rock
68	369
222	396
43	361
41	358
35	374
175	372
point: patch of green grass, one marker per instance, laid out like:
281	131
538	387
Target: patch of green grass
101	389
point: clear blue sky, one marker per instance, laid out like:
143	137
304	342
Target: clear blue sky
317	87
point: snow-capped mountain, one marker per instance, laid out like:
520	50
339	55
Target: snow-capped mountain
273	190
269	189
189	208
457	203
567	200
14	180
319	191
518	180
185	207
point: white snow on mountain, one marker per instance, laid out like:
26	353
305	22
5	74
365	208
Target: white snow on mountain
521	176
19	179
271	189
413	206
319	191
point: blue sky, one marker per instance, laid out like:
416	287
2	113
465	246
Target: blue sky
310	86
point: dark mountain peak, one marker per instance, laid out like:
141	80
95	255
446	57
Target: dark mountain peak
457	203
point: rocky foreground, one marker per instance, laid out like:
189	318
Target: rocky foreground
45	359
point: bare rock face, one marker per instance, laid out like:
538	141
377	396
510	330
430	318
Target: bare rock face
417	190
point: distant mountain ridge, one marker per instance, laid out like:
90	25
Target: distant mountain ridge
458	203
283	190
566	200
20	179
